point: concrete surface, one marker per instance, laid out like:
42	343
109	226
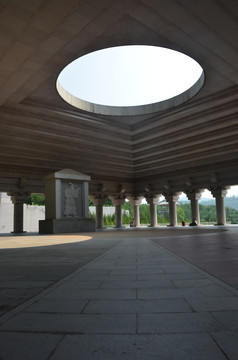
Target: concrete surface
114	295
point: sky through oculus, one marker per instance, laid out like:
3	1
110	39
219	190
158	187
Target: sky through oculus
128	76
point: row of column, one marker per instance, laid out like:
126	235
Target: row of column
19	199
152	200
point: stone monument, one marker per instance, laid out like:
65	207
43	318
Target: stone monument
66	202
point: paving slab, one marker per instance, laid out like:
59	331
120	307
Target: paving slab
139	347
229	318
130	284
74	293
134	300
57	306
183	276
215	252
190	283
25	346
104	278
213	304
211	290
72	323
227	341
29	264
137	306
177	323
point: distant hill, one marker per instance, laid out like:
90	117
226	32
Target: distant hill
231	202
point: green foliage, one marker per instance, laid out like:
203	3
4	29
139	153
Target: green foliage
187	212
127	206
180	214
231	215
231	202
108	202
36	199
207	214
90	203
109	220
92	215
126	219
144	214
162	215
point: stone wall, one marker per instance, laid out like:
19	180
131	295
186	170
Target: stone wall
107	210
32	215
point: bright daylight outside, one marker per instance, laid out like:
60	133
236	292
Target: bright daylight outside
130	76
34	211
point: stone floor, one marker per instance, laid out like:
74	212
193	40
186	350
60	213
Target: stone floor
116	295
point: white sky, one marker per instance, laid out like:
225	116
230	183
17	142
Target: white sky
233	191
130	75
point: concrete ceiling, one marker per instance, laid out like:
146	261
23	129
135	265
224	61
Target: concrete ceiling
191	145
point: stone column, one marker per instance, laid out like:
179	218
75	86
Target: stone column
99	202
18	199
194	196
219	194
172	199
135	202
153	201
118	211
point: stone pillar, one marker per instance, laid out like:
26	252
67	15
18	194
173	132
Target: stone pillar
194	196
219	194
18	199
153	201
135	202
118	211
172	199
99	202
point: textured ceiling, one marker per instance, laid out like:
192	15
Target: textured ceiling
194	143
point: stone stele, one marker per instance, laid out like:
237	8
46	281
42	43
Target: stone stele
66	201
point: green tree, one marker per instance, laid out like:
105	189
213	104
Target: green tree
180	214
144	214
231	215
36	199
109	220
127	206
108	202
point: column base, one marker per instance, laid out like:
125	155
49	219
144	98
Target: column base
63	226
18	232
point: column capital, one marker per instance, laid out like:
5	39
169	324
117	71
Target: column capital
135	200
152	198
219	191
117	201
172	197
194	194
19	196
98	199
